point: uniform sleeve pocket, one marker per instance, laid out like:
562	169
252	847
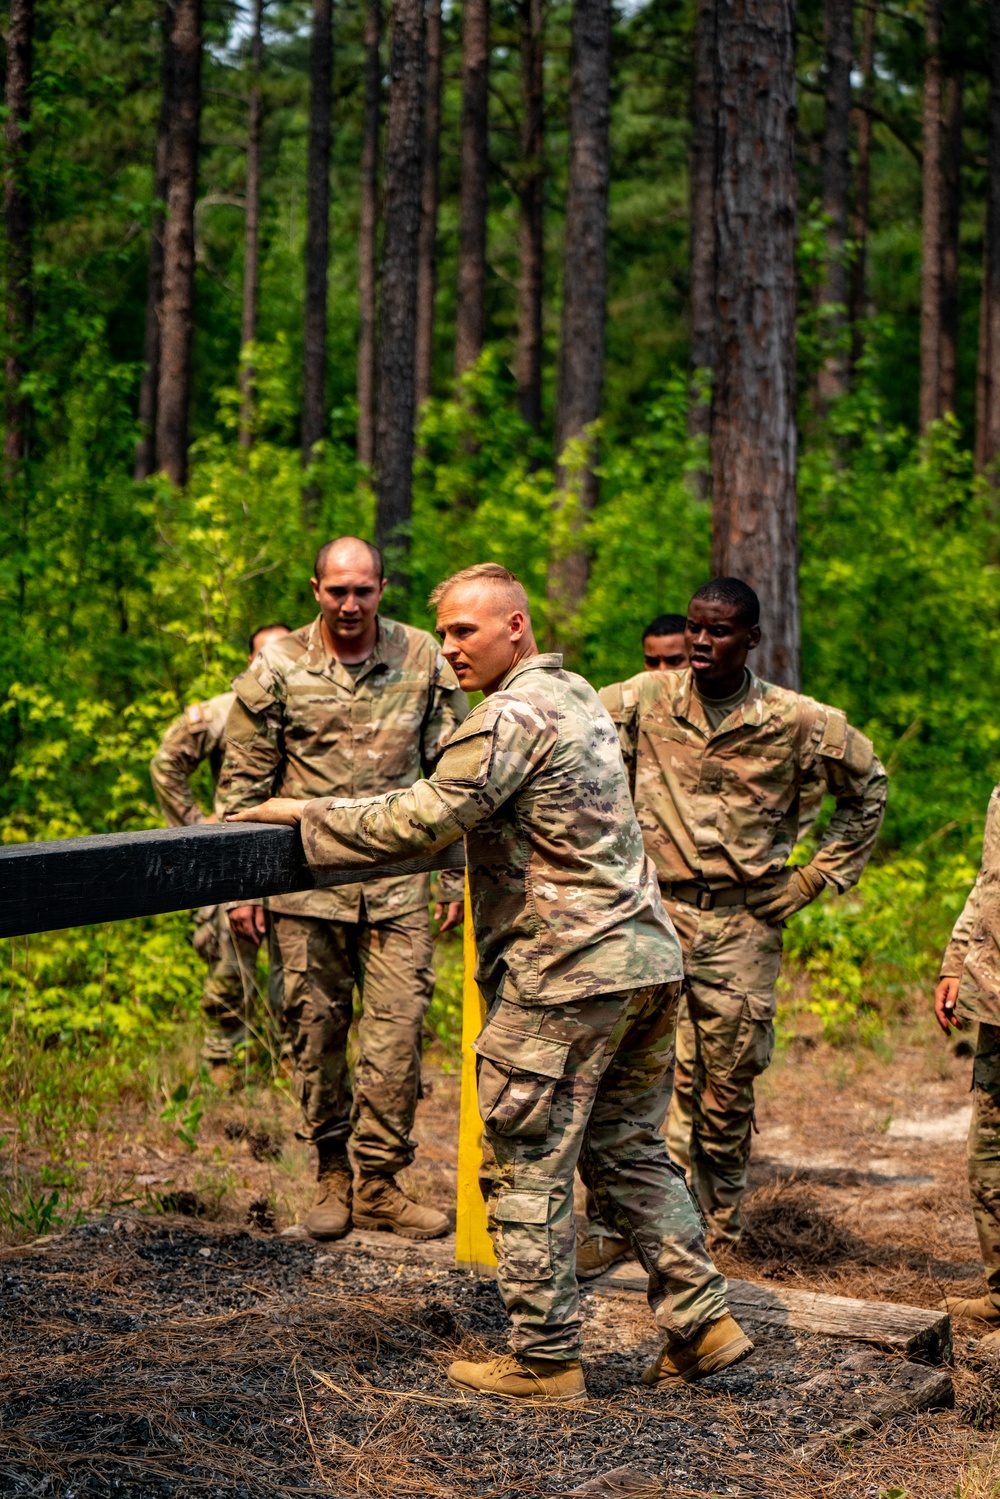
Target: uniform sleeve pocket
522	1219
517	1081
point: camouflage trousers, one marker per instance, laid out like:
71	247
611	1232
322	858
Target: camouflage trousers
586	1084
725	1039
231	981
315	966
984	1152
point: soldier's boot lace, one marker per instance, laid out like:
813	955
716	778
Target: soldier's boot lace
517	1376
598	1252
380	1205
330	1215
721	1343
975	1308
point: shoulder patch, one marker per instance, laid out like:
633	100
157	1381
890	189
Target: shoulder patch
834	740
195	717
859	752
467	755
251	693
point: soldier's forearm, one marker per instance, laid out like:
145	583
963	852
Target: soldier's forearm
378	830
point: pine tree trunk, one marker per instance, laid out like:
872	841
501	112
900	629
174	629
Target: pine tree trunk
930	274
18	227
950	231
704	115
427	255
470	310
754	520
404	158
835	168
862	197
177	304
988	376
585	278
531	203
317	233
251	232
145	448
367	235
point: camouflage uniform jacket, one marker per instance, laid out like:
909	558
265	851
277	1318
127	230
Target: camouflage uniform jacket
304	726
199	734
973	954
724	807
564	901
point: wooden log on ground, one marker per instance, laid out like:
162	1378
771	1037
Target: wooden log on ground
114	876
913	1331
914	1388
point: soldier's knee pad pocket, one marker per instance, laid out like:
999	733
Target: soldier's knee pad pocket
522	1219
518	1074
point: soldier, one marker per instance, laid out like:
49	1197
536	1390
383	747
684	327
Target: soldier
663	645
968	990
196	736
717	760
352	705
579	966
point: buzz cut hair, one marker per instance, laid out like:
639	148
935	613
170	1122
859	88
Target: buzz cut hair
666	624
739	596
322	556
495	577
279	624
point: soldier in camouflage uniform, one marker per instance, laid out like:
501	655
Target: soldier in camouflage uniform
199	735
968	991
580	969
718	759
352	705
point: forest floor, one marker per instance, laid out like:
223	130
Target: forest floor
198	1351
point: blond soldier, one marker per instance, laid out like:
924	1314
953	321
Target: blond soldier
351	705
968	990
718	760
199	735
579	966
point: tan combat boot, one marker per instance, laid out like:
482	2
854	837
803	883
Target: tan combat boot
718	1345
330	1215
517	1376
975	1308
381	1205
597	1253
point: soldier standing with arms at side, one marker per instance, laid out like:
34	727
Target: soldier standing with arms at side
580	968
199	735
352	705
718	759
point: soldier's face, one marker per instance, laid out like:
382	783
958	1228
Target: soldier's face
481	639
665	652
717	643
348	595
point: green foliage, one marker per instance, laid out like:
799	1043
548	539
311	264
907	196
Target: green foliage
184	1107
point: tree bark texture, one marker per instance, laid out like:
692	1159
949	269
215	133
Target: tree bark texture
429	192
177	303
251	230
930	272
754	521
368	233
317	230
950	232
397	365
470	310
862	195
835	169
18	227
988	381
585	273
704	112
145	448
531	205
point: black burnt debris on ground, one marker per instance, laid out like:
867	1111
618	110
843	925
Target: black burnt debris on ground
147	1358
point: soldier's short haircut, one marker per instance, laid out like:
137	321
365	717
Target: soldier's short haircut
666	624
739	596
279	624
490	573
324	552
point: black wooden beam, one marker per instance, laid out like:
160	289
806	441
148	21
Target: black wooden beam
110	877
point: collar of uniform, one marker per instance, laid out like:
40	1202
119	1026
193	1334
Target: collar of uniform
318	659
546	661
687	704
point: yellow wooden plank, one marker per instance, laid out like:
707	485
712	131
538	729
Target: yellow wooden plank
473	1248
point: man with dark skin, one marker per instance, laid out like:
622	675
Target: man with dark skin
717	760
664	647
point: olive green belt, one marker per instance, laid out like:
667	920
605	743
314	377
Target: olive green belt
705	897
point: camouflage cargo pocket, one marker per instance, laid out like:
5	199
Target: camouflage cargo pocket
526	1248
517	1081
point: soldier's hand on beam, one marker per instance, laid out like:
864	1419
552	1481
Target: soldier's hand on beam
790	890
249	922
452	915
945	999
282	809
